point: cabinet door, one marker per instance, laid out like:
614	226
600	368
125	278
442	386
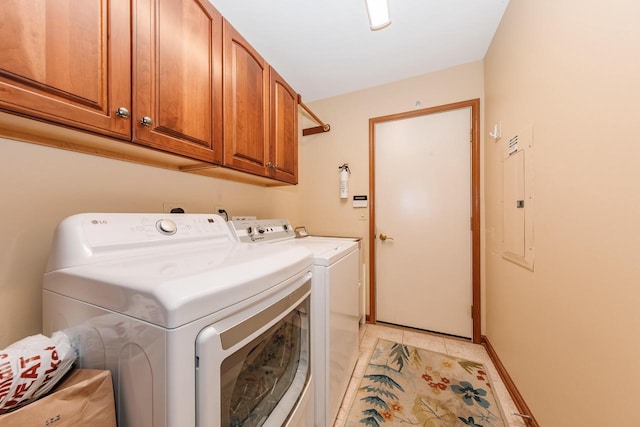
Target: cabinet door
284	130
177	77
246	105
67	61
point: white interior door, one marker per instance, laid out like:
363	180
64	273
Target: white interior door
423	206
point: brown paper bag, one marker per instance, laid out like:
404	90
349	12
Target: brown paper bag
83	398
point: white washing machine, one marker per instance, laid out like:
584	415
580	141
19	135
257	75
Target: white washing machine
197	329
335	306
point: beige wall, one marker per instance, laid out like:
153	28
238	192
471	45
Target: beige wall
348	142
39	186
569	332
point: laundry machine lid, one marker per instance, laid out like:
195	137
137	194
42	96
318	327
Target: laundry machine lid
165	281
325	251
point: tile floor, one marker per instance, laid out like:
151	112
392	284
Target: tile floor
369	335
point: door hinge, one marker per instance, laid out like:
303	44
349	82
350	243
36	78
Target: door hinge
471	223
471	311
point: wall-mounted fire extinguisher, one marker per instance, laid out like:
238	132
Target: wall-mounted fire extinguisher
344	180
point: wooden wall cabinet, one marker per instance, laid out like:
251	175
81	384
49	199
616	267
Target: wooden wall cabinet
246	105
260	113
177	77
70	62
67	62
171	75
284	130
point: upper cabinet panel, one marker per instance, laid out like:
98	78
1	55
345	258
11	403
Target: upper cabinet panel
177	77
67	61
246	105
284	130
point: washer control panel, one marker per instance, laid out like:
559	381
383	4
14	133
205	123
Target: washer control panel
103	229
257	230
86	236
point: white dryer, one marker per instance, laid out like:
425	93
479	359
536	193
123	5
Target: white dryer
335	306
196	328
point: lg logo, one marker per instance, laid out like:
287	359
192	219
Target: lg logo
99	221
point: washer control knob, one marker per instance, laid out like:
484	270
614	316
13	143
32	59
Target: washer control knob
166	226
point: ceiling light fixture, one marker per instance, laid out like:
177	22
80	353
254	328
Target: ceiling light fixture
378	11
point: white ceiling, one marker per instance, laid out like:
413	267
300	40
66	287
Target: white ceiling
324	48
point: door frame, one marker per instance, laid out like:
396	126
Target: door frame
474	104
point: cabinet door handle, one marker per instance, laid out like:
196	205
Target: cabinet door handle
271	165
146	121
122	112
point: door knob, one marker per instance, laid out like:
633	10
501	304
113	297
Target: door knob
384	237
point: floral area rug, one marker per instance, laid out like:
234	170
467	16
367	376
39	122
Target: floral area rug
404	385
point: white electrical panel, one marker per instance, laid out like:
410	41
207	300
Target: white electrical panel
517	173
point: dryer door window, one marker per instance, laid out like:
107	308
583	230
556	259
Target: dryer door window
262	381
